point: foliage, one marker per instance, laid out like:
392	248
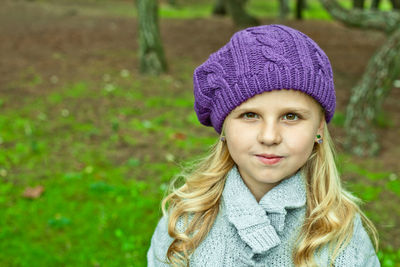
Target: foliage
188	9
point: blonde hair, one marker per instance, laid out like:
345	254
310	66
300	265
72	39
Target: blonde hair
199	198
330	209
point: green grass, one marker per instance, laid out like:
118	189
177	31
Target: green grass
188	9
102	195
257	8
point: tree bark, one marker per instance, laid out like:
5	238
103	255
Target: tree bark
283	9
382	69
375	4
366	19
358	4
219	8
236	8
299	9
395	4
368	95
151	53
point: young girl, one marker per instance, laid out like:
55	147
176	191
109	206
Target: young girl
269	193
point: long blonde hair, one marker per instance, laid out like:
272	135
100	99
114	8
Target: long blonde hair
329	215
330	209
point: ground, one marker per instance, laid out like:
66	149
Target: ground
63	45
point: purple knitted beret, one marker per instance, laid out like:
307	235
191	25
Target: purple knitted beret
260	59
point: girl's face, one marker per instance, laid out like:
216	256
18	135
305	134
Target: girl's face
271	136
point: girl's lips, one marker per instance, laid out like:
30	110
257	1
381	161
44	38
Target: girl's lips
269	155
269	160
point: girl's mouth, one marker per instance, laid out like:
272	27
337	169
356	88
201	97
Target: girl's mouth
270	160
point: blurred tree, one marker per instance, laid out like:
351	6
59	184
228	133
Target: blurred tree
299	9
236	8
219	8
395	4
383	68
375	4
358	4
151	52
283	9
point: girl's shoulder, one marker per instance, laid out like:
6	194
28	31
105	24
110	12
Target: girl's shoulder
160	241
359	251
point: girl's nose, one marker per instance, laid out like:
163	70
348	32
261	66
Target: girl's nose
269	134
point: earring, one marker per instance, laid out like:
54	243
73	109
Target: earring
319	139
222	138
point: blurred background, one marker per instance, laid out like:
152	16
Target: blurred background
97	115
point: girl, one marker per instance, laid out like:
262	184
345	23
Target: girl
269	193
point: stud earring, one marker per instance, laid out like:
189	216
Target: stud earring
222	138
319	139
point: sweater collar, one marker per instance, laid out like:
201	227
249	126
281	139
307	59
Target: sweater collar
258	224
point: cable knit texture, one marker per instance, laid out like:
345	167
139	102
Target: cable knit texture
248	233
257	60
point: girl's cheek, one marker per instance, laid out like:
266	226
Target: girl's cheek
299	141
237	130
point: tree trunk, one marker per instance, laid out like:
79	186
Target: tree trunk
366	19
151	53
383	68
236	8
299	9
219	8
358	4
283	9
368	95
375	4
395	4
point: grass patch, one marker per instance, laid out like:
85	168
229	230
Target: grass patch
104	178
104	158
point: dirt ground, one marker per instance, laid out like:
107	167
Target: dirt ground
66	44
63	43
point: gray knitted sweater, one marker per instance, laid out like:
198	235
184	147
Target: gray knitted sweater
248	233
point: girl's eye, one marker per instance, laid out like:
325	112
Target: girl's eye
288	116
291	116
249	115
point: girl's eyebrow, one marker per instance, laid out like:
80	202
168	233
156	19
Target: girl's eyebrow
283	110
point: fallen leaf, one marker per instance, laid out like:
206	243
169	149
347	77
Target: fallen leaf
180	136
33	192
169	157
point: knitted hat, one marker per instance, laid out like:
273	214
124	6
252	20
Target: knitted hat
260	59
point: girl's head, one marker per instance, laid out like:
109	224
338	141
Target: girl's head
269	90
261	59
